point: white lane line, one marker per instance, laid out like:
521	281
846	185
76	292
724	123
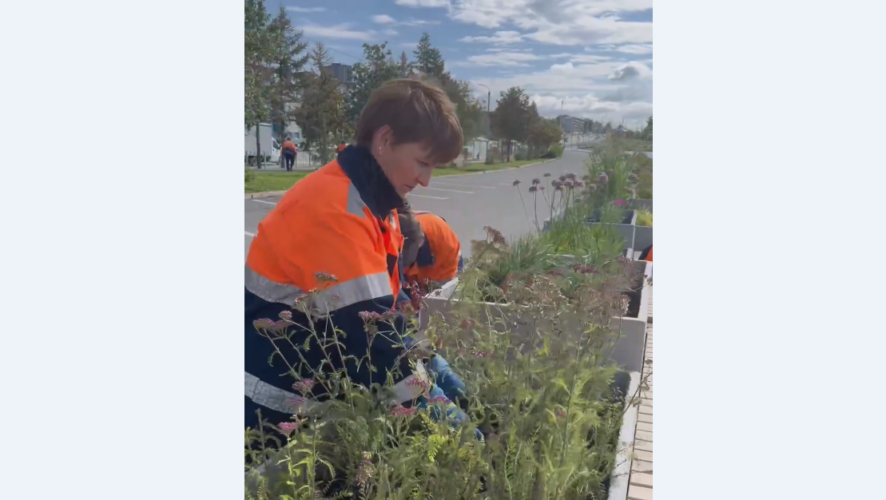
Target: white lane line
463	185
251	235
450	190
426	196
265	202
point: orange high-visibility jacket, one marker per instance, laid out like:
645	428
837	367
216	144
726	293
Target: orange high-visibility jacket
342	221
340	148
288	145
438	258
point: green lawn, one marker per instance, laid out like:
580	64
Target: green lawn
281	181
481	167
273	181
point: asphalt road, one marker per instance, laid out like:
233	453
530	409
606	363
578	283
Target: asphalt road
469	202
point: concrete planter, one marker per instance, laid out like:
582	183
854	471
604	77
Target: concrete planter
629	353
637	237
642	204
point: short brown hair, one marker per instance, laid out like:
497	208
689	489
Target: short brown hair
416	111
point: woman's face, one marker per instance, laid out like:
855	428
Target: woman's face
405	165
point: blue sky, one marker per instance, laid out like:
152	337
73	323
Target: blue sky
590	58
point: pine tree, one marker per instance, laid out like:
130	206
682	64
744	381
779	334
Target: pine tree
290	57
322	112
428	59
405	66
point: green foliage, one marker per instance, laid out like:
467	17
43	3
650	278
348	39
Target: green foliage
322	114
543	135
557	150
369	74
513	117
250	176
538	387
428	59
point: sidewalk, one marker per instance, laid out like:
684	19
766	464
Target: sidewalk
641	469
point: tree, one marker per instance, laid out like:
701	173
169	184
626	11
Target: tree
646	134
512	117
368	75
258	73
405	66
543	133
323	108
429	62
428	59
289	52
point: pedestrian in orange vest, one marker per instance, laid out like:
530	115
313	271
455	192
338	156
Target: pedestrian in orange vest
341	147
335	238
289	151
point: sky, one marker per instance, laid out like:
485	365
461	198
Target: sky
585	58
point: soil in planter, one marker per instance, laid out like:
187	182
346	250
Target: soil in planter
635	297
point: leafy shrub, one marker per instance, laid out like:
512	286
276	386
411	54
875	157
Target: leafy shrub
644	218
519	156
557	150
538	390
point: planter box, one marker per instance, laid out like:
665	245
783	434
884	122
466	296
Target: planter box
642	204
629	349
635	236
629	353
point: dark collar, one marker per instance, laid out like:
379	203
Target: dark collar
367	176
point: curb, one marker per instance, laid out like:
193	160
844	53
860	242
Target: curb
484	172
266	194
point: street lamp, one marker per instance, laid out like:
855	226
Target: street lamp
488	96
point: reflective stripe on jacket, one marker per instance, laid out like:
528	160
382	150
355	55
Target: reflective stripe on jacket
342	221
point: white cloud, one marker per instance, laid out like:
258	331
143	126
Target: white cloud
340	31
383	19
586	89
390	32
559	22
423	3
589	106
500	37
633	48
305	9
499	59
631	71
418	22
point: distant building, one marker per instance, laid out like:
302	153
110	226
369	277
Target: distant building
344	73
570	124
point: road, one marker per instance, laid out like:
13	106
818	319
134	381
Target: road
469	202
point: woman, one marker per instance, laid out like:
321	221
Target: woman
335	234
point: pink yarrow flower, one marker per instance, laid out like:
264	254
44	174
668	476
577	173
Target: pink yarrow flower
439	400
400	411
288	427
304	386
619	203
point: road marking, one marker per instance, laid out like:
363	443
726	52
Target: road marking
426	196
251	235
450	190
463	185
265	202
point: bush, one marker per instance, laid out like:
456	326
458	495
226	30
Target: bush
644	218
556	149
540	394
